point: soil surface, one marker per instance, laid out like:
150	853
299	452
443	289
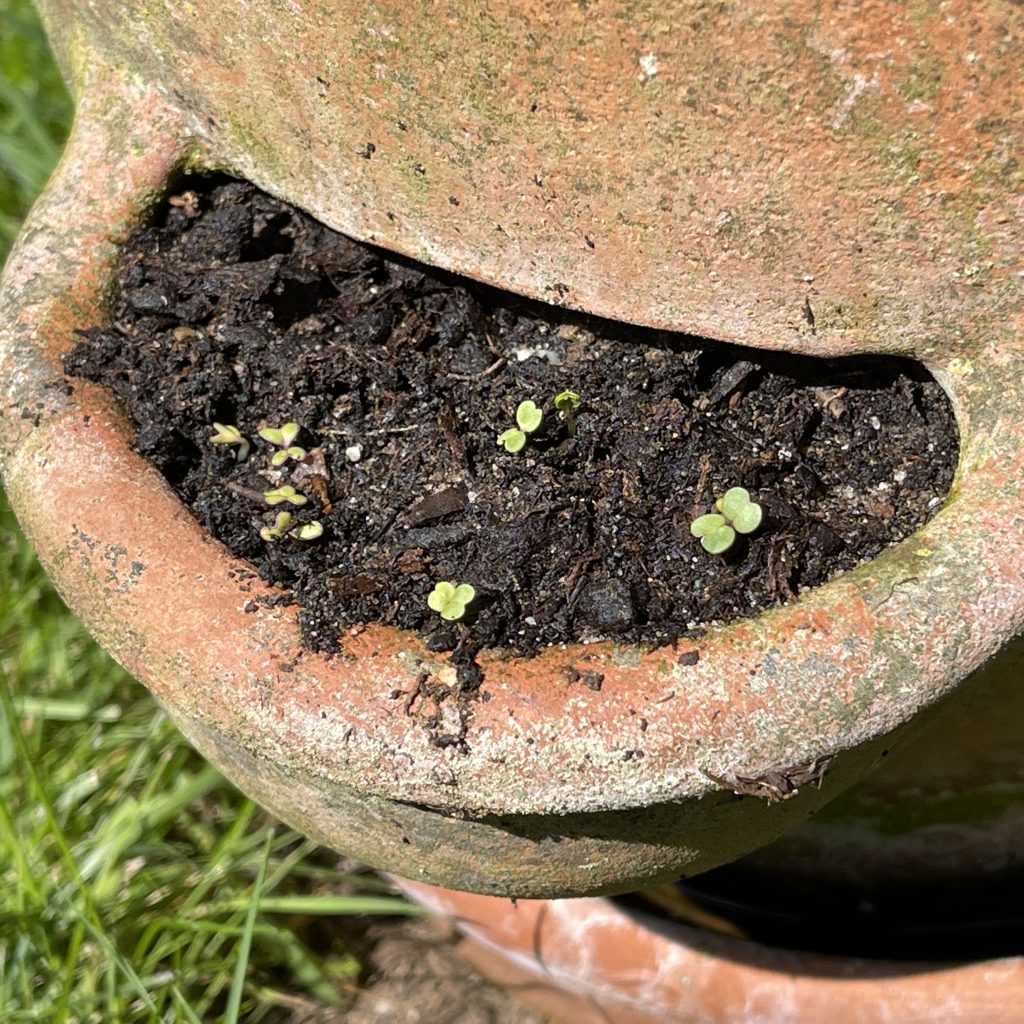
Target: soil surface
235	308
415	975
412	974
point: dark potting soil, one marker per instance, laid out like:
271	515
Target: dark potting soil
233	307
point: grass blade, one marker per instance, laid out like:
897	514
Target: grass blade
245	944
328	904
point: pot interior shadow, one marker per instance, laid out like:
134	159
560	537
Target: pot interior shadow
969	919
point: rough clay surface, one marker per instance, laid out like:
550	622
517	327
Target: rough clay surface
235	307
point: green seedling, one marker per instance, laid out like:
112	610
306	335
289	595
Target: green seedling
283	438
279	529
228	434
736	514
282	525
284	493
528	418
567	402
310	531
449	600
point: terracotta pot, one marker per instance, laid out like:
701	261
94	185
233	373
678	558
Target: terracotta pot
946	808
746	166
588	961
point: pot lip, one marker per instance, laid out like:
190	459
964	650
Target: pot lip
680	971
850	661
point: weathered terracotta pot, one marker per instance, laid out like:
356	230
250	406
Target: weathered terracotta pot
715	173
945	809
588	961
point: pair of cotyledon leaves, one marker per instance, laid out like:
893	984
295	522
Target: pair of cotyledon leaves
736	514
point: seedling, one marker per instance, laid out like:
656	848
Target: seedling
228	434
282	524
736	514
528	418
279	529
567	402
283	438
449	600
284	493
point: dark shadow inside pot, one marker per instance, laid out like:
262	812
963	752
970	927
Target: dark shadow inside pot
964	919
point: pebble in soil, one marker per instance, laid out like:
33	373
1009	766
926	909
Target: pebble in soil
235	307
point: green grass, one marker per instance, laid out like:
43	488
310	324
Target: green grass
135	883
35	112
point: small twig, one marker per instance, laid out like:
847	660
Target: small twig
388	523
246	492
493	368
705	470
372	433
448	424
892	590
577	571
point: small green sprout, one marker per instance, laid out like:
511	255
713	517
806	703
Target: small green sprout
310	531
514	440
283	438
567	402
282	525
284	493
449	600
736	514
279	529
228	434
528	418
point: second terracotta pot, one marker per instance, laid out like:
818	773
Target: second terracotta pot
589	961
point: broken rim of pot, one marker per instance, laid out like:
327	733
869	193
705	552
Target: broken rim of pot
562	790
589	961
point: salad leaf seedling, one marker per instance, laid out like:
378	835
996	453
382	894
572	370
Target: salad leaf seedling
279	529
283	438
567	402
514	440
282	524
529	418
284	493
736	514
229	434
449	600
